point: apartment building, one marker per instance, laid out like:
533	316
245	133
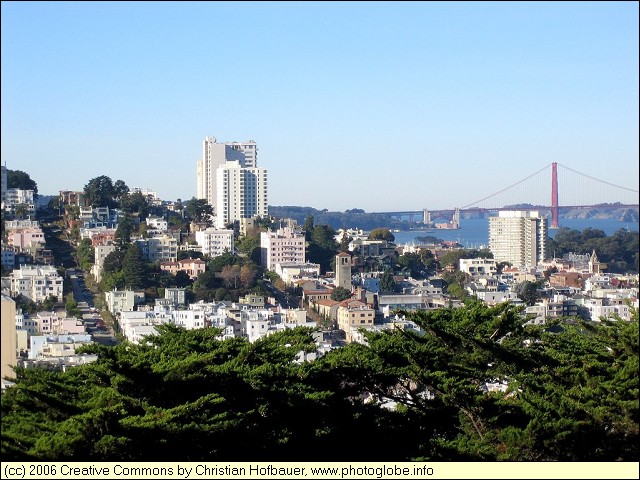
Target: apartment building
285	245
159	249
241	193
518	237
353	314
16	197
214	242
36	282
191	266
215	154
8	359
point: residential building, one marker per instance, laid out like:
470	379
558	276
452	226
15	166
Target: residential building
36	282
100	253
57	345
23	238
8	339
518	237
122	300
241	192
157	223
159	249
14	197
353	315
290	272
19	224
285	245
191	266
215	242
76	199
175	295
478	266
215	154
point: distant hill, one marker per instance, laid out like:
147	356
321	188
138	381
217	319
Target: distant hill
357	218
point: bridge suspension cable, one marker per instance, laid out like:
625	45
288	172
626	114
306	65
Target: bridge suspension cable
597	179
507	188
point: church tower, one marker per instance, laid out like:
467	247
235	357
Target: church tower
343	271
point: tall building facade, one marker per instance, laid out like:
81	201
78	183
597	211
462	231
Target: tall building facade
518	237
215	154
9	340
241	193
282	246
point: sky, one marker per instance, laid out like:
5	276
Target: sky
382	106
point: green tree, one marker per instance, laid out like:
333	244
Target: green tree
86	254
21	180
308	227
413	263
22	211
528	291
124	231
339	294
198	210
113	262
322	246
381	234
135	204
387	283
344	242
120	189
134	267
100	192
569	393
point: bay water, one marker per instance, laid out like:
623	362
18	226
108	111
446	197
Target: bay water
474	232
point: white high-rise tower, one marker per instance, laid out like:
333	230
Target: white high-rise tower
241	193
215	154
518	237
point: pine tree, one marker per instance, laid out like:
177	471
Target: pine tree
134	267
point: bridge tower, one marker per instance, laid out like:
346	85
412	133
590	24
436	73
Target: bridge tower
426	217
554	195
455	222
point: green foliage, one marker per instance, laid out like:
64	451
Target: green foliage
308	227
85	254
528	291
134	203
344	242
198	210
457	280
21	180
124	230
387	283
571	394
100	192
216	264
620	251
381	234
339	294
322	247
134	268
182	254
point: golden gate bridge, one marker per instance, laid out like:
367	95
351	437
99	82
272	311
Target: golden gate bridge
587	186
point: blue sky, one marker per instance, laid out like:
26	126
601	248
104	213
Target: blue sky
373	105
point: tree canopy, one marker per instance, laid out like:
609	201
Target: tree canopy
478	384
381	234
198	210
21	180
